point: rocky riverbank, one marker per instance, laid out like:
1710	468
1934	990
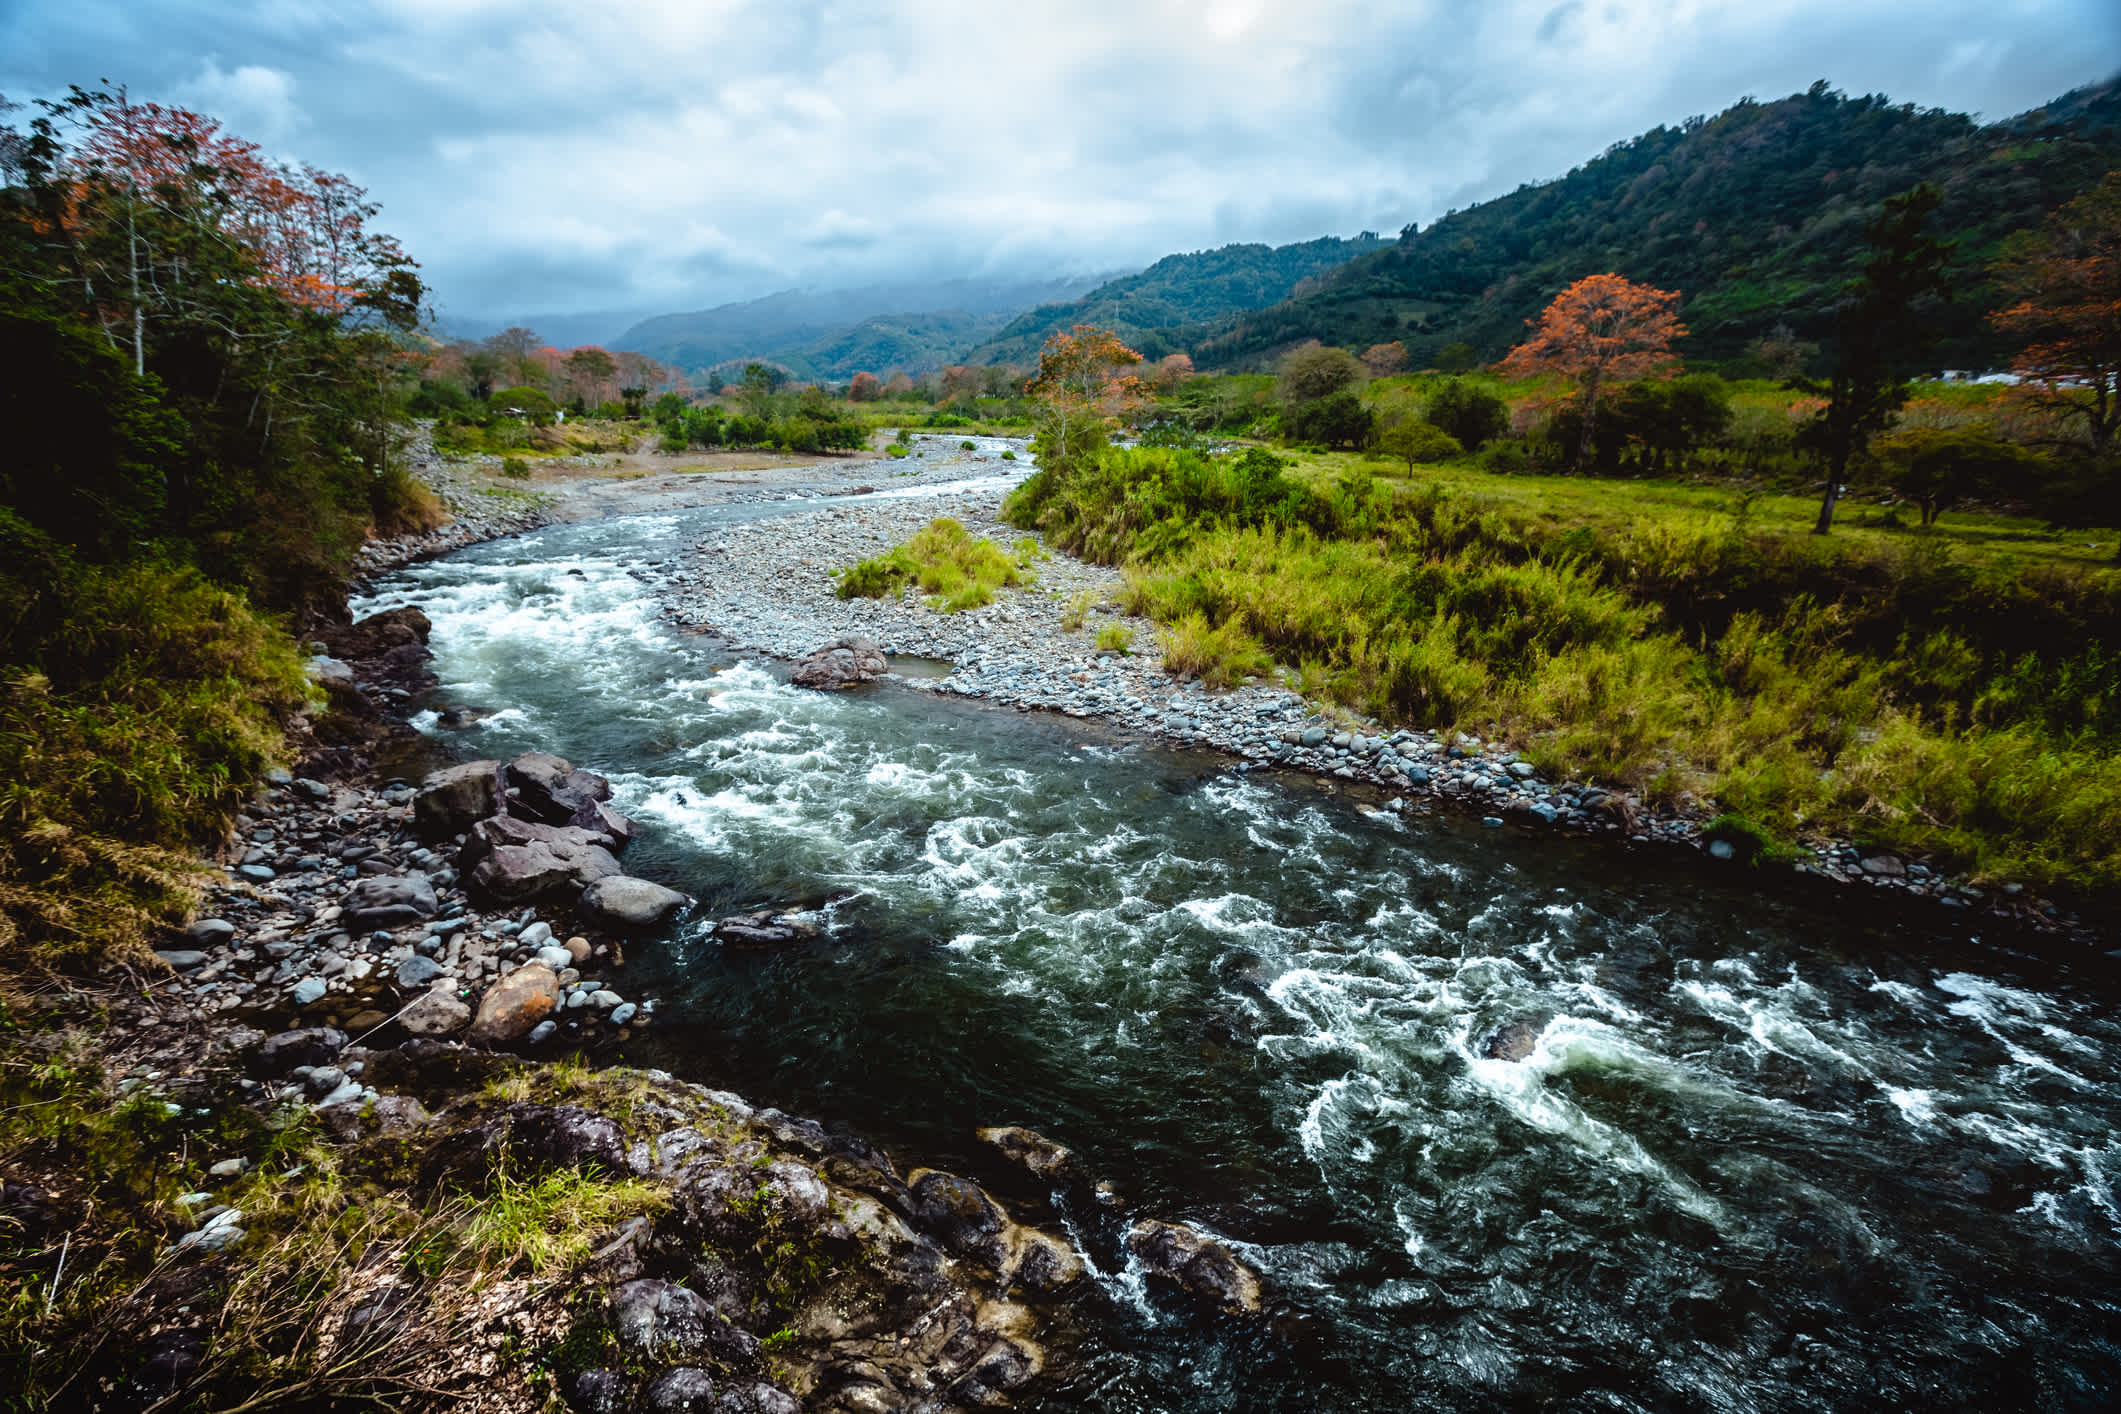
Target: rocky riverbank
770	587
388	1001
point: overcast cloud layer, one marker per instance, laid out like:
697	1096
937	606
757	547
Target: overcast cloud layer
654	155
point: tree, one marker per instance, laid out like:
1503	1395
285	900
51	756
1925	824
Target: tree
589	369
1172	370
1876	338
2067	279
1601	329
1937	468
864	388
1457	357
1413	441
1312	371
1083	390
960	383
1385	359
1470	414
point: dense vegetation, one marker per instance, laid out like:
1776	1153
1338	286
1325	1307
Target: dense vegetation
204	373
1756	216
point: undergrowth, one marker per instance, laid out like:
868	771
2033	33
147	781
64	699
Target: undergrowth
137	705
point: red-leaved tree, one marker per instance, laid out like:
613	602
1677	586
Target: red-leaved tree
1600	330
1083	390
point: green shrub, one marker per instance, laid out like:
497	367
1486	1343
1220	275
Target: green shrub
1008	455
1076	610
515	468
896	451
1116	638
966	446
957	571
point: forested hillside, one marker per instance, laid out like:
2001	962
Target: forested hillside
1755	216
1150	310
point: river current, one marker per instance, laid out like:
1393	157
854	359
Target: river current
1504	1121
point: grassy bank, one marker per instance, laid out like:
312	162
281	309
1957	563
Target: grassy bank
138	703
1954	694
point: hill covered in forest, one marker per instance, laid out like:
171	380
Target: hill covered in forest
1151	310
1755	215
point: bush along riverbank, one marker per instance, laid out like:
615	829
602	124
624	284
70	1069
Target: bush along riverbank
356	1144
1079	639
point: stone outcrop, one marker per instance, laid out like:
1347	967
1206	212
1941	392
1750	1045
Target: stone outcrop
841	663
455	798
1198	1265
516	1003
623	902
516	860
389	901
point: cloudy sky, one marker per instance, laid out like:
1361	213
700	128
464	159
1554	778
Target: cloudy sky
651	155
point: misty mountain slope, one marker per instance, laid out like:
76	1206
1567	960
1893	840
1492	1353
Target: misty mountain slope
1149	310
778	328
1755	215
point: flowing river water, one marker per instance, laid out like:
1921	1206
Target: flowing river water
1504	1121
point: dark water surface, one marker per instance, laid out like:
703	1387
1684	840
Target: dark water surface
1759	1151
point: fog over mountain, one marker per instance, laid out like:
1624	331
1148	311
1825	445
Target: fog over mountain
545	161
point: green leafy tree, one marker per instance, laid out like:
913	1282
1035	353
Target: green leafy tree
1938	468
1878	335
1416	442
1469	413
1316	371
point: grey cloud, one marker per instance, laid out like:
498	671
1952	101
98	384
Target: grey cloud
663	154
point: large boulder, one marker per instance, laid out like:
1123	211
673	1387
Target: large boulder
762	930
378	634
1037	1155
455	798
388	901
512	860
621	901
661	1320
567	1136
517	1002
955	1211
1196	1264
550	790
841	663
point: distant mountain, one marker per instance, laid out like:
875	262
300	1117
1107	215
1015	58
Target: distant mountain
562	331
1755	215
1151	310
807	331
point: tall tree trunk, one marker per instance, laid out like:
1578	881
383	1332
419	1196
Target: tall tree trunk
1590	418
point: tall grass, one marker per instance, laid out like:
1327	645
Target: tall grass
1900	695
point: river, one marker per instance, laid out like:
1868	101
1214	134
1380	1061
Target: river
1504	1121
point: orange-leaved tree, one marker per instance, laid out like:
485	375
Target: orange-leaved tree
161	211
1602	329
1083	390
2067	279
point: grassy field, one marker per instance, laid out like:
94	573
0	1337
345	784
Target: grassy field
1559	504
